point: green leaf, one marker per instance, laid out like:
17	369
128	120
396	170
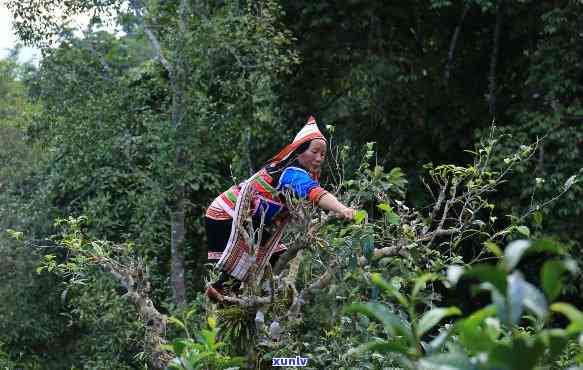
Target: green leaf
524	230
471	333
360	216
538	217
433	317
393	218
377	279
555	340
551	278
174	320
490	274
446	361
421	282
383	346
493	248
546	245
384	207
518	248
574	315
393	324
439	341
522	353
179	345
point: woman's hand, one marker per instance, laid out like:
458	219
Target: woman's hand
347	213
330	203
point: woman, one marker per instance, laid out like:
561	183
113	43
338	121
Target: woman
295	169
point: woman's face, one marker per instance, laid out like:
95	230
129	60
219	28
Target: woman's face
313	157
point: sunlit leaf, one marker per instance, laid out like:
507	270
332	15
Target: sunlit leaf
433	317
446	361
514	252
574	315
377	279
360	216
493	248
524	230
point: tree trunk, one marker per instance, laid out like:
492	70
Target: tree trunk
494	59
177	246
177	72
179	81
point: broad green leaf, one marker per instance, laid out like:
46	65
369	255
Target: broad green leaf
538	217
490	274
574	315
384	207
212	322
522	353
446	361
421	282
393	218
546	245
433	317
360	216
377	279
439	341
552	275
555	340
179	345
175	321
471	333
383	346
394	325
524	230
518	248
551	278
493	248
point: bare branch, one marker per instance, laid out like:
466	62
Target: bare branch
303	297
440	199
137	6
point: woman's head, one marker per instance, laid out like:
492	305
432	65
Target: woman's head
313	156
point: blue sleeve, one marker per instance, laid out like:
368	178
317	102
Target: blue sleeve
298	181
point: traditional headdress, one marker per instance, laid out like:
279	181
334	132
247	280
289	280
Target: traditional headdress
309	132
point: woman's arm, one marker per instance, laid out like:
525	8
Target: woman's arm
330	203
305	187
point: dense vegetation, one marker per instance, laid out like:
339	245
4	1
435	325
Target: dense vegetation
455	128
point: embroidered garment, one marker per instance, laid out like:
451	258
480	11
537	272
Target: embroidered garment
260	198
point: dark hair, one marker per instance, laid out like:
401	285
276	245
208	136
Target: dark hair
279	167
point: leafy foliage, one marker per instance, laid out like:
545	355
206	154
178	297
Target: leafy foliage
92	130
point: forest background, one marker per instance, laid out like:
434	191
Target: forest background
140	129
